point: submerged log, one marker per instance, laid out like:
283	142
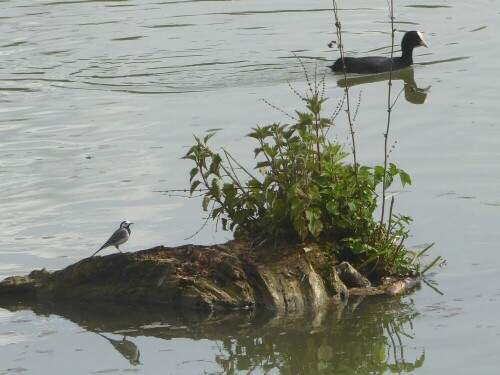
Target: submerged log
222	277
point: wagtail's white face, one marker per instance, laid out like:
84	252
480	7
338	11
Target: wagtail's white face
125	224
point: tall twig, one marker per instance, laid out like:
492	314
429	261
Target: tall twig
338	27
389	111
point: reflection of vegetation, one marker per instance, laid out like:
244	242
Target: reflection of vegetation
369	342
363	337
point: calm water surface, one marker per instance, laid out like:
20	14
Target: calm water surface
98	102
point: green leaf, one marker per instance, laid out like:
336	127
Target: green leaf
378	174
393	170
215	165
207	137
189	156
230	192
331	207
263	164
193	173
216	188
405	178
206	201
314	225
194	185
257	151
297	207
254	184
299	224
217	211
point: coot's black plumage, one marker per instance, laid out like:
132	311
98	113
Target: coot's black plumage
379	64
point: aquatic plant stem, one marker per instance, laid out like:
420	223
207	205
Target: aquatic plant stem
389	111
338	28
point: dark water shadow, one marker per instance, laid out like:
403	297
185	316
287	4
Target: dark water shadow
412	93
365	335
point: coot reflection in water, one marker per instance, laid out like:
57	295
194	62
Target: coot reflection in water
413	93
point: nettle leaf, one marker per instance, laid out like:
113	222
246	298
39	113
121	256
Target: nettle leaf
215	165
296	191
254	134
263	164
378	174
288	132
314	193
216	188
271	196
388	180
342	222
271	151
405	178
207	138
206	201
297	207
314	104
332	208
230	192
217	211
254	184
299	223
314	225
189	155
259	198
364	172
193	173
393	170
325	122
194	185
260	132
358	247
257	151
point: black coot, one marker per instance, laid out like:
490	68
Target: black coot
379	64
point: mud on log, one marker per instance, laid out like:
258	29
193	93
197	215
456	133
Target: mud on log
221	277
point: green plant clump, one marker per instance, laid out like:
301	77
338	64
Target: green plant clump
305	190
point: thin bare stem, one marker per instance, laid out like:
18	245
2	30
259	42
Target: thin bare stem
234	178
203	225
230	157
389	111
389	224
279	109
357	106
338	108
306	75
338	27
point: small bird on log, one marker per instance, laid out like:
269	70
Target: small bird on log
118	238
